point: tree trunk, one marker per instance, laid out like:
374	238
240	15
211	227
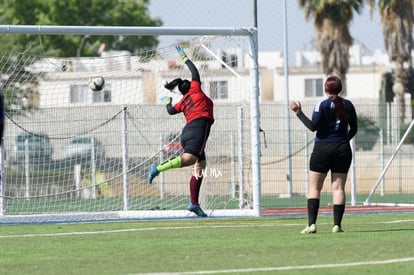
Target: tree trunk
399	87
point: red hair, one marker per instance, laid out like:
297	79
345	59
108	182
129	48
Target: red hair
333	86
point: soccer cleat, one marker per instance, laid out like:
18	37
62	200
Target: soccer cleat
152	173
196	209
310	229
337	229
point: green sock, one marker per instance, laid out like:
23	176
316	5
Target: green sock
169	164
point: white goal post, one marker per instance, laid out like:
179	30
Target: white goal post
385	169
20	203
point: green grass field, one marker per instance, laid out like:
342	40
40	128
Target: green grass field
371	244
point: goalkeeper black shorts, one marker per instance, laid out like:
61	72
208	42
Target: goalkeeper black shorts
194	137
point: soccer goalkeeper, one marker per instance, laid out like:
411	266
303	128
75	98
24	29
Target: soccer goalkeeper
198	112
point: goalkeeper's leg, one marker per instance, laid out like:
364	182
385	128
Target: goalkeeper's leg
186	159
195	186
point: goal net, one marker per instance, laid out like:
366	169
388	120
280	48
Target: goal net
73	154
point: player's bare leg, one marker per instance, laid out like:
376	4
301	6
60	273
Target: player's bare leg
338	194
316	181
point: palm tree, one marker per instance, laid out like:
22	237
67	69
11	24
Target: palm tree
331	19
397	21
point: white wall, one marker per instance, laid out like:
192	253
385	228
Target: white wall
125	77
126	88
363	82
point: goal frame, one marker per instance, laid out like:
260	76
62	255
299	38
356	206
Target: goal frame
381	176
250	32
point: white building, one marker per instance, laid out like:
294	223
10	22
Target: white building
129	80
305	78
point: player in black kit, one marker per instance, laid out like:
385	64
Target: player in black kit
335	121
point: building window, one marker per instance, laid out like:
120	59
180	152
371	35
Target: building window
313	87
219	90
81	94
101	96
230	59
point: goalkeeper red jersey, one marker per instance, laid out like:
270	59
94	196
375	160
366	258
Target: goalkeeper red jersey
195	104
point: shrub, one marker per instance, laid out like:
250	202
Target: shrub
410	137
367	134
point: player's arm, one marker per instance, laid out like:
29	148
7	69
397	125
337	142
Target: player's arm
310	124
171	110
193	69
296	106
353	124
167	100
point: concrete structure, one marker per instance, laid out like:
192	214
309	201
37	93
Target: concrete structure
129	80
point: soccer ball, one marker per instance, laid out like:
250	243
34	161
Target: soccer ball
97	83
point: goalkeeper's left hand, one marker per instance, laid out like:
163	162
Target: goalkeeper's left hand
181	53
166	100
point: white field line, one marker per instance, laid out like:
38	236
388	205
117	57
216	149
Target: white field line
251	270
246	270
167	228
137	229
397	221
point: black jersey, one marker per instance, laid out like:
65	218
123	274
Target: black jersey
328	126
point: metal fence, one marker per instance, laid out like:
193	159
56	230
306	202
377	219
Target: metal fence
284	158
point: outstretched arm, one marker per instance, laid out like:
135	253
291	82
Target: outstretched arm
297	108
167	101
171	110
311	125
193	69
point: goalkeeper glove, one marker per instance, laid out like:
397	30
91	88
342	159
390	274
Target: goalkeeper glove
181	53
166	100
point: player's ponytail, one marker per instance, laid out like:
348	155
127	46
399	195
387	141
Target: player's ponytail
183	85
172	84
333	86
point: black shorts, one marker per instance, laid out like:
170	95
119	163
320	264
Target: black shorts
194	137
334	156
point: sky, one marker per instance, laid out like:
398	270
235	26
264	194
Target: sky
365	29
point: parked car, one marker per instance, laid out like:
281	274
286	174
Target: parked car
172	145
35	145
80	148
